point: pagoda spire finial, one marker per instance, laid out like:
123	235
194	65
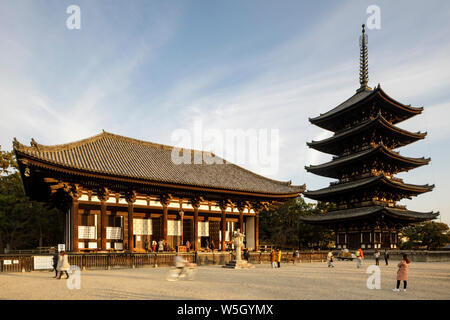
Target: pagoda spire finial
363	62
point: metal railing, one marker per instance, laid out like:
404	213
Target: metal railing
105	261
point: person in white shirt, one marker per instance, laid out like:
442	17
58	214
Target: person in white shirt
330	259
377	257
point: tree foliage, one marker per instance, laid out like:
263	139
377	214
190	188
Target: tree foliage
24	224
430	235
8	163
282	226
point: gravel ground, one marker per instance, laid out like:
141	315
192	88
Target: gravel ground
427	280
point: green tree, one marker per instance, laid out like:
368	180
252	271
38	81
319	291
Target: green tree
430	234
282	226
24	224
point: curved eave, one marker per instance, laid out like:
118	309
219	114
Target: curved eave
404	107
296	190
349	187
324	120
348	104
329	169
402	215
323	145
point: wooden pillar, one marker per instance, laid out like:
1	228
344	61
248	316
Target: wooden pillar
165	201
257	231
195	229
195	202
75	225
103	196
130	197
241	206
258	207
75	194
223	204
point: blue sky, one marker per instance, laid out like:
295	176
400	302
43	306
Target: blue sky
146	68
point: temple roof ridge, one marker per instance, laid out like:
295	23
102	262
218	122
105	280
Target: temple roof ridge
361	182
339	160
360	97
364	124
111	154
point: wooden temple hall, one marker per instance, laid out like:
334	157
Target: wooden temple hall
364	162
120	193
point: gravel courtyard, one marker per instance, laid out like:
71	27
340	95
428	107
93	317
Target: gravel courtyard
300	281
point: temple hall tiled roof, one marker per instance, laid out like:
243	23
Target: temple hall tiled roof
112	155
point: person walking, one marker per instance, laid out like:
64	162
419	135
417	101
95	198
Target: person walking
161	245
377	257
279	258
273	258
63	264
402	273
358	259
330	259
386	256
55	263
188	246
154	244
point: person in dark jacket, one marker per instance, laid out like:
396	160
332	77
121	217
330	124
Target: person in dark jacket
55	263
386	256
246	254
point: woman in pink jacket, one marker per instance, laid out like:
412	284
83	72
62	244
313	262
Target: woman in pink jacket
402	273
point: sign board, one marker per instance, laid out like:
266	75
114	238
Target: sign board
86	232
142	227
92	245
118	245
61	247
6	262
203	229
43	262
114	233
174	227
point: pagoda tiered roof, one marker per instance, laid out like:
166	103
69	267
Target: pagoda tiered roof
380	181
333	168
337	143
399	214
358	102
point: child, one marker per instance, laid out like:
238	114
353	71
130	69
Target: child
402	273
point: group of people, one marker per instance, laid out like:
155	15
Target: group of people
275	258
61	264
402	272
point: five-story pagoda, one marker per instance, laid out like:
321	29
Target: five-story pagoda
364	162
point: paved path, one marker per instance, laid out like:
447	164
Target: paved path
300	281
